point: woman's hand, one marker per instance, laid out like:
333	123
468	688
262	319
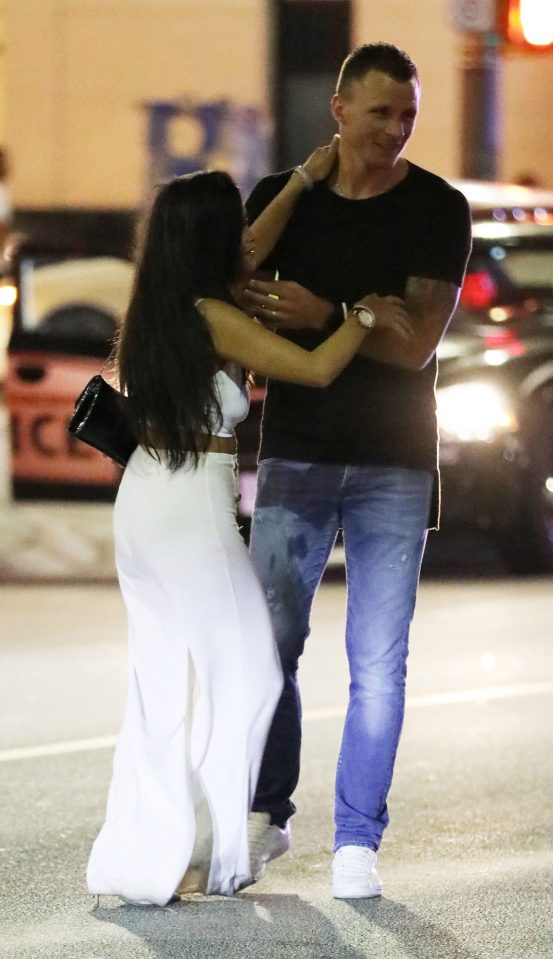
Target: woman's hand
319	165
390	313
269	225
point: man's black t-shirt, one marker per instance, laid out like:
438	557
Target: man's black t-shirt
342	249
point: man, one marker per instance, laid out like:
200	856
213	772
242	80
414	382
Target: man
360	455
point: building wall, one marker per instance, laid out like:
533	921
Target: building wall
78	70
74	73
527	83
2	72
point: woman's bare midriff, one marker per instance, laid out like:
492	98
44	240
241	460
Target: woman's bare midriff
221	444
215	444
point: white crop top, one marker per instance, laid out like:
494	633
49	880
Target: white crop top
233	395
232	391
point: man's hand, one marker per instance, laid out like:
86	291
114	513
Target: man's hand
286	304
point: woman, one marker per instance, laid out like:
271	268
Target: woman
204	675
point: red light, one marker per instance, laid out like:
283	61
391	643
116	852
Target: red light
479	290
500	339
530	22
506	341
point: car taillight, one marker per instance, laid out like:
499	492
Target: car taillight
479	290
501	345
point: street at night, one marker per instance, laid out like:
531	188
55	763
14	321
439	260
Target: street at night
467	862
283	267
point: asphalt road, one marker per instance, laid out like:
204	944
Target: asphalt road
467	861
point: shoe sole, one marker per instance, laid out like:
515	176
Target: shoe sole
281	848
356	894
278	850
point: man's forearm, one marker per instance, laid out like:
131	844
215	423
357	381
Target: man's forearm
429	304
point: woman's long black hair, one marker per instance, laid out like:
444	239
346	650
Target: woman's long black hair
165	355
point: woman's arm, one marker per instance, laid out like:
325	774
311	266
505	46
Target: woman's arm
239	338
271	222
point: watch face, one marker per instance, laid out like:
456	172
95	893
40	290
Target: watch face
365	316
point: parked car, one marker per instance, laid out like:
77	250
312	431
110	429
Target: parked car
65	316
495	387
67	311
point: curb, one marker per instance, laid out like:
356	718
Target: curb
56	541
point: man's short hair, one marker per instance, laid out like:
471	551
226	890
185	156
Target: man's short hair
384	57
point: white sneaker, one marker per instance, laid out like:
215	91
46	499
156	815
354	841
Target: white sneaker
266	842
354	873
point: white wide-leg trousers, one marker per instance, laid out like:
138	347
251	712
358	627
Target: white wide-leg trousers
204	680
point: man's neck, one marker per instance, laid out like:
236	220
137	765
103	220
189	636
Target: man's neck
361	183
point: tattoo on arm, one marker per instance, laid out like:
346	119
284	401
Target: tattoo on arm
430	305
426	298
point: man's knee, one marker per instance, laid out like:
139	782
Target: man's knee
274	561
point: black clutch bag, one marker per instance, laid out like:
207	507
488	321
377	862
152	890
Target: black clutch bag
101	420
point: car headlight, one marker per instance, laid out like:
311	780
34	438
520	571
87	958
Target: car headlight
8	294
474	412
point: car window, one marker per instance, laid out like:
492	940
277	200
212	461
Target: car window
507	271
525	268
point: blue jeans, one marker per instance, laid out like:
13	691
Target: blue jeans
383	512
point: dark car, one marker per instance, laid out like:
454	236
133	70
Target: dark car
495	385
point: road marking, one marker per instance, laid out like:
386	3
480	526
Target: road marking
480	695
57	749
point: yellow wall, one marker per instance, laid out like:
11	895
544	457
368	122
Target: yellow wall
78	70
2	72
75	71
527	116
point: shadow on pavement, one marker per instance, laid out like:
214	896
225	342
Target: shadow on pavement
418	938
234	928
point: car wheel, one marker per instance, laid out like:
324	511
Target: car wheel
83	321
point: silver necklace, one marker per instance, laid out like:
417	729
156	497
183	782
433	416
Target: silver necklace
339	191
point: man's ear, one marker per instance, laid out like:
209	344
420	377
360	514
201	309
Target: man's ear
337	107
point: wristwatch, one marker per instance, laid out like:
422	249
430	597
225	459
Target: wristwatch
364	315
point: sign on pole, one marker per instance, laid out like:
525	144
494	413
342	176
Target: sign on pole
474	16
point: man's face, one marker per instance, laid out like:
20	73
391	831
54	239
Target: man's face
376	117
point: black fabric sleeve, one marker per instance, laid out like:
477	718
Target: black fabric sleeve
445	240
259	198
